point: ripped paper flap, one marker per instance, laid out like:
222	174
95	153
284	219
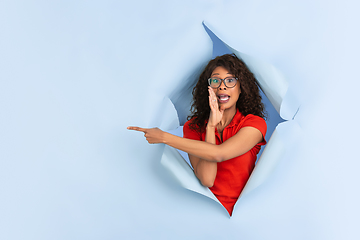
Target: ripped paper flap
182	172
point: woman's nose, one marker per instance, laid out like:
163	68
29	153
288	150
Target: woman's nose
222	86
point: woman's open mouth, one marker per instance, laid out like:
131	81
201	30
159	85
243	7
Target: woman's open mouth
223	98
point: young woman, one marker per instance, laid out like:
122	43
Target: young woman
226	129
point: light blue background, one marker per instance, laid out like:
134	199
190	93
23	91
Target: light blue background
74	75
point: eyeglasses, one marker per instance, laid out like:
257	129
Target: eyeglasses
229	82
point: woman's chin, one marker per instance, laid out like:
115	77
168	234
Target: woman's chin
228	105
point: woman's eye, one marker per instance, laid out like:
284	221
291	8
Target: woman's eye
230	80
214	80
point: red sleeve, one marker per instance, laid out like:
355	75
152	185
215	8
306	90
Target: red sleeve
190	133
258	123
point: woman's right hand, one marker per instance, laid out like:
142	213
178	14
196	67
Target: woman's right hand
216	113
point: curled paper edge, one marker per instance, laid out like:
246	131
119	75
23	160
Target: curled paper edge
284	134
182	172
272	82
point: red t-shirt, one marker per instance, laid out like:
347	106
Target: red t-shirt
232	174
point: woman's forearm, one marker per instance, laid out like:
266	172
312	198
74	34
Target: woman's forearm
200	149
203	150
206	170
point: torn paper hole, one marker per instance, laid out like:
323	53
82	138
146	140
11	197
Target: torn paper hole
277	90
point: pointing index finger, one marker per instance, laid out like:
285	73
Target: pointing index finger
136	128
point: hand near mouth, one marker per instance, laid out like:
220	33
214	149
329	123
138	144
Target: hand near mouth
216	112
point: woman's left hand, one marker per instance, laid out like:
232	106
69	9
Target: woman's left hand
153	135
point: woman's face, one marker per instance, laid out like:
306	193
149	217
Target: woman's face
227	97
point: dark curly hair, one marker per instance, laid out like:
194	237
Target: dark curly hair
249	101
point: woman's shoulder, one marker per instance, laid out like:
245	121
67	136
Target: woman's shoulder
255	121
189	122
191	129
255	118
193	125
241	119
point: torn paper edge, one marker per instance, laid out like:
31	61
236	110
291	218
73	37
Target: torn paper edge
182	172
276	88
284	134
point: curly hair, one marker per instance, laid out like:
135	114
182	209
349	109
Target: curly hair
249	101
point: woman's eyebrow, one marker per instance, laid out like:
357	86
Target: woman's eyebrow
219	74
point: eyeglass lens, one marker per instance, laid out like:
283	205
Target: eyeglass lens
216	82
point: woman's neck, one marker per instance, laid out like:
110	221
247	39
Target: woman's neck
227	117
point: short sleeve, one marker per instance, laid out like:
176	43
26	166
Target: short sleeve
256	122
190	133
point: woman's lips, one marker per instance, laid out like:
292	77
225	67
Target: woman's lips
223	98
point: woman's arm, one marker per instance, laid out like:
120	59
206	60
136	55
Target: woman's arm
243	141
204	170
